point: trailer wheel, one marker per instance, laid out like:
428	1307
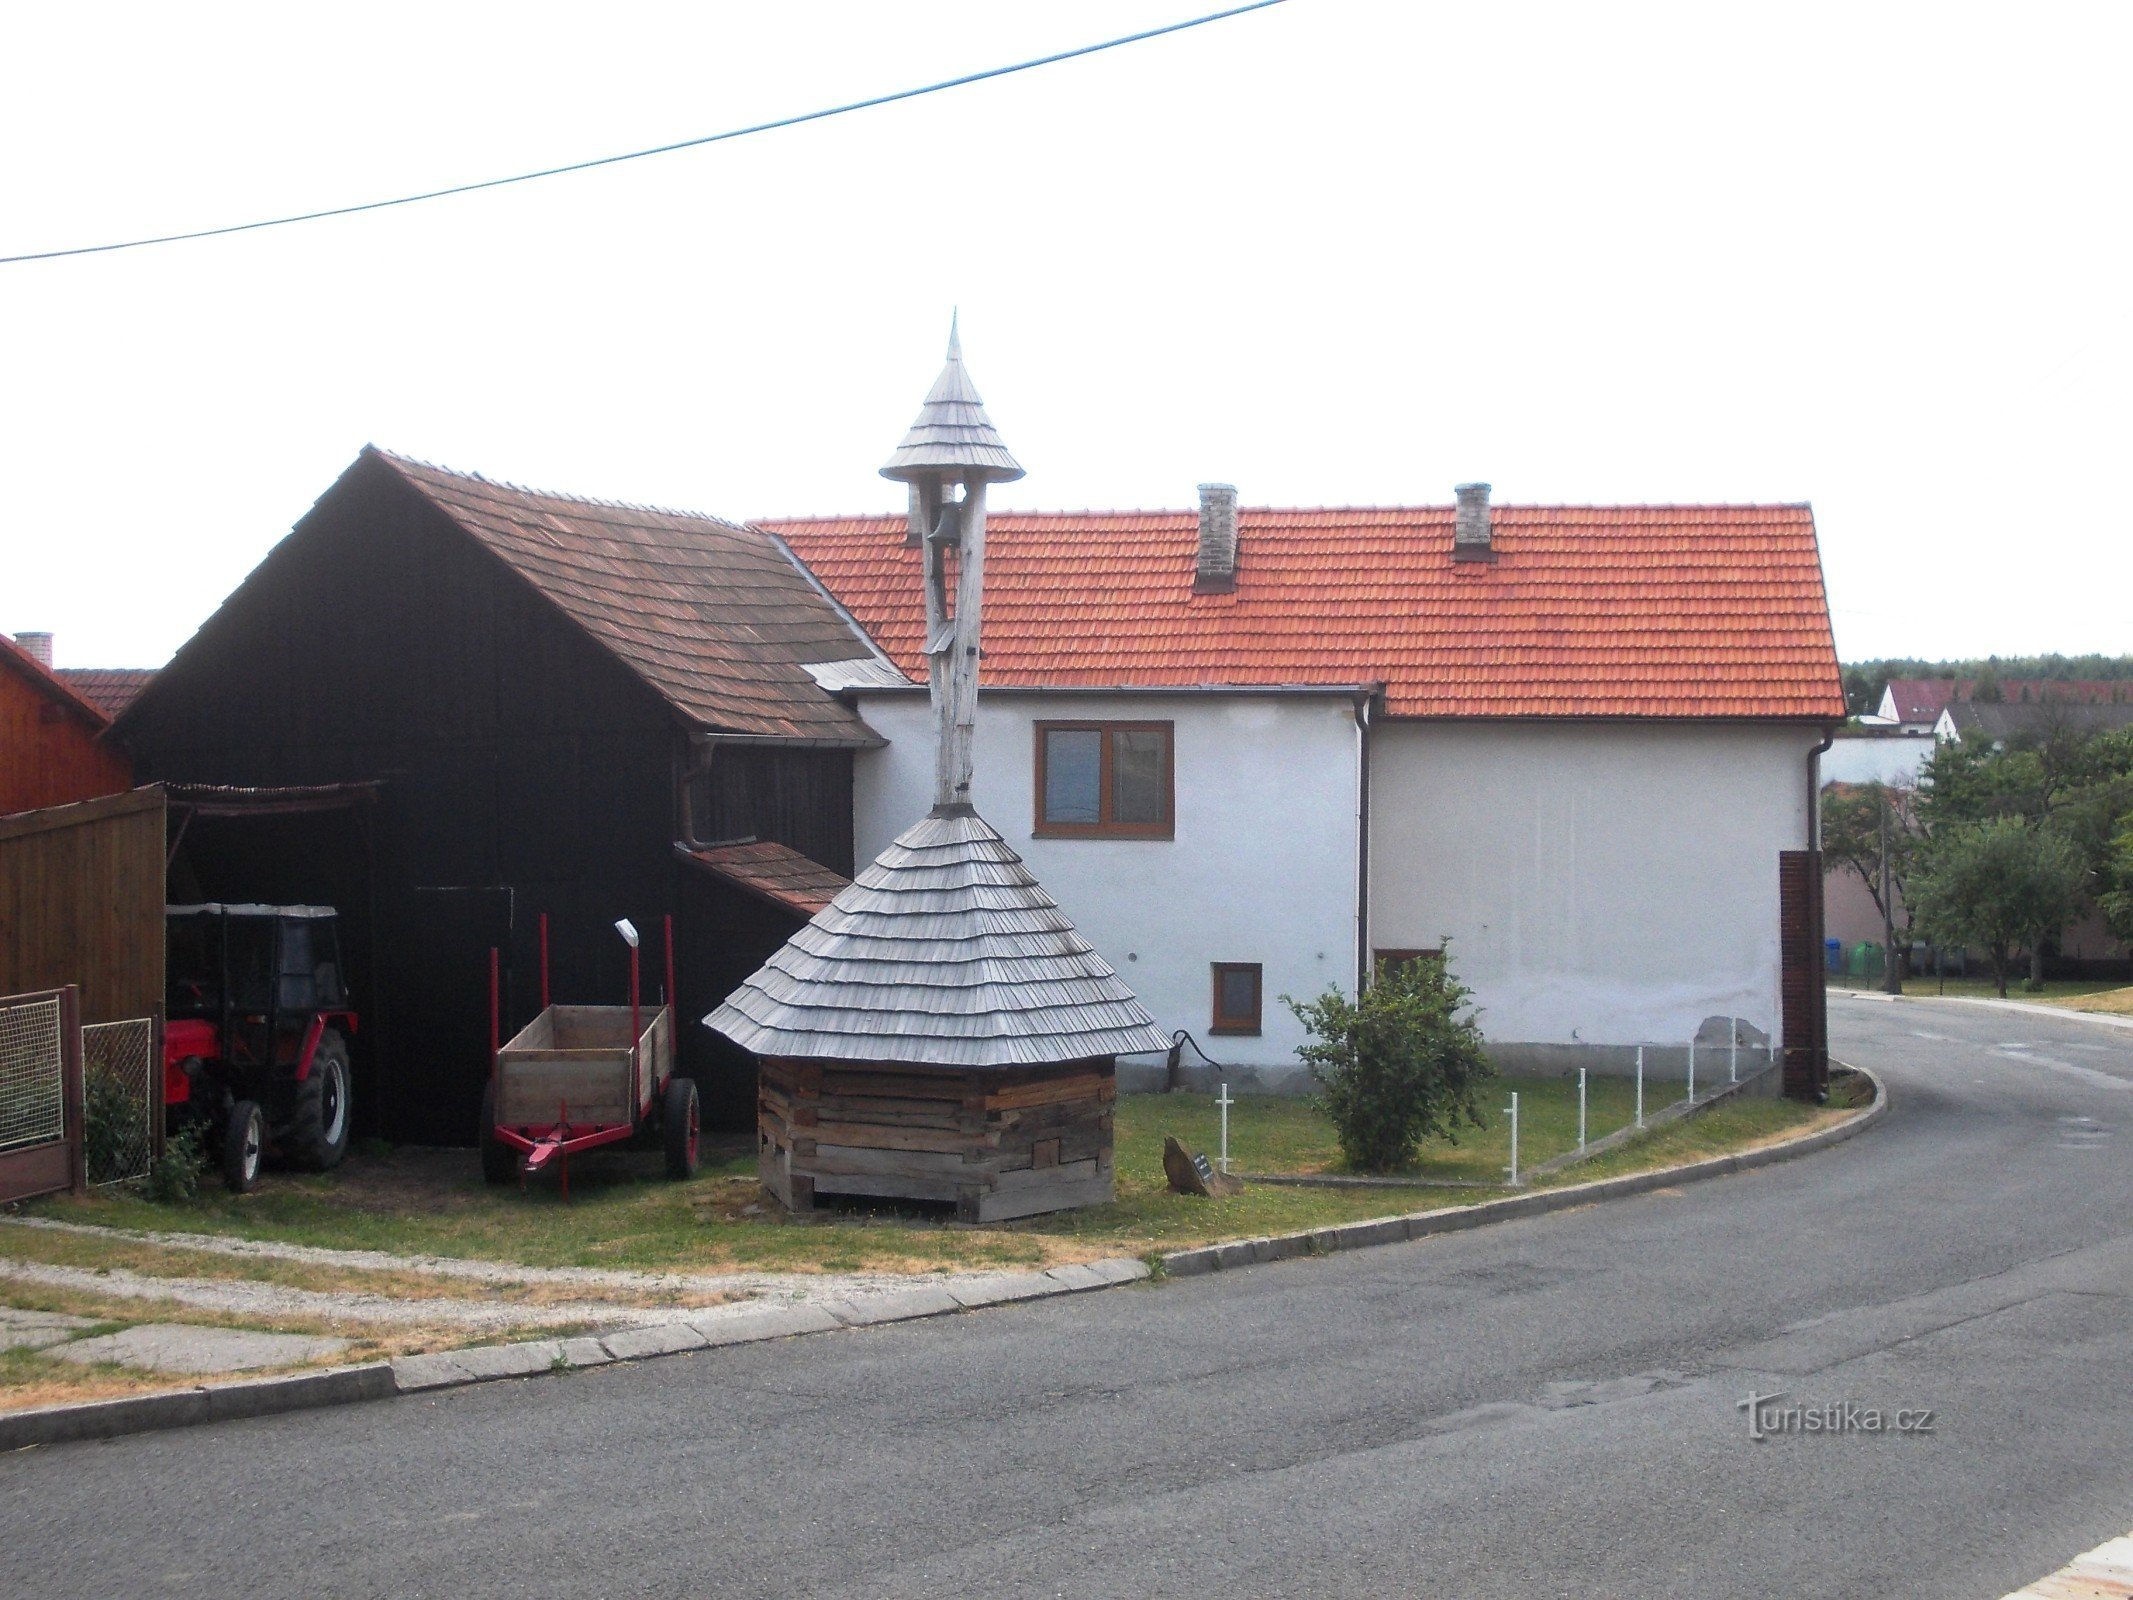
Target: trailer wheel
318	1137
683	1119
244	1140
499	1162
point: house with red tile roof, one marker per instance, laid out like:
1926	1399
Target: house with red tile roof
1256	750
53	749
1916	705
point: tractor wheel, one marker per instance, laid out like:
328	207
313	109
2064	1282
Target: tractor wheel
683	1119
244	1141
499	1162
318	1137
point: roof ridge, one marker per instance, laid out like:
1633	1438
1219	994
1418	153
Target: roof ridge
398	459
997	513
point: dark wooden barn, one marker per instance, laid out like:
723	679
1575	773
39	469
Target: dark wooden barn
520	703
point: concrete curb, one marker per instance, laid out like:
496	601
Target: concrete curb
448	1369
1451	1219
181	1408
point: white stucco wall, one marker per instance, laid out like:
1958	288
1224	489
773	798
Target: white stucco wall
1262	866
1604	883
1897	759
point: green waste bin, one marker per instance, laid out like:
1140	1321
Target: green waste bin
1866	959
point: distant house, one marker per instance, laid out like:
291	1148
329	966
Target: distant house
1252	751
448	706
1996	724
53	748
1915	705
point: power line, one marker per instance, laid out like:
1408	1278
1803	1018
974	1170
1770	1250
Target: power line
656	150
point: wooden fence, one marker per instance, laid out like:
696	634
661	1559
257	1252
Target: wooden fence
81	941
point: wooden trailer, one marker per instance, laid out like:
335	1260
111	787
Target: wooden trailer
579	1078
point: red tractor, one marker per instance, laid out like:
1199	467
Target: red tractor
255	1048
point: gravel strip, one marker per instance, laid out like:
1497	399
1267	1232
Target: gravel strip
244	1297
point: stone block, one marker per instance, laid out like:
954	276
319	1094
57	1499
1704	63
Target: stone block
653	1339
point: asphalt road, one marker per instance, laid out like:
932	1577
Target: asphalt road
1546	1407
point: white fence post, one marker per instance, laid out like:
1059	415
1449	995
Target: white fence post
1225	1102
1640	1085
1581	1108
1692	1072
1513	1109
1733	1052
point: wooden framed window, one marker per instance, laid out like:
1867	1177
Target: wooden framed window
1098	780
1237	986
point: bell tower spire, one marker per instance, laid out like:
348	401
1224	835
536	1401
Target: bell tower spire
949	456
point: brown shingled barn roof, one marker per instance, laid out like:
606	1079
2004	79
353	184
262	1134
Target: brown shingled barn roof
771	871
109	689
715	617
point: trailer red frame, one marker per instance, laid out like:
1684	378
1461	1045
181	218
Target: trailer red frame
581	1052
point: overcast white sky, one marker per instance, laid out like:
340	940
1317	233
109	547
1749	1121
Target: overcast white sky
1336	252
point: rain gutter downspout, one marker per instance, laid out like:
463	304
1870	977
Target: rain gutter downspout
1814	787
1363	700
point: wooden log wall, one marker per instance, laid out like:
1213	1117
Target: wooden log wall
997	1142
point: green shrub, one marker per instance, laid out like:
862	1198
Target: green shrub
175	1177
1398	1064
113	1121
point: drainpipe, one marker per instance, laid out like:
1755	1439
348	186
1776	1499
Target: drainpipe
1814	789
1363	700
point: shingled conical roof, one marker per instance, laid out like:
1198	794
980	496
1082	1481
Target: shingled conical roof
947	952
952	433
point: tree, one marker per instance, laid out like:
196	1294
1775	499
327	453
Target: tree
1851	837
1397	1064
1997	884
2117	896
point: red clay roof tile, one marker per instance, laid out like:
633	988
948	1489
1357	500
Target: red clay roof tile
1604	611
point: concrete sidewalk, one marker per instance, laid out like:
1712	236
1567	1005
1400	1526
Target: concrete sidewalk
2105	1573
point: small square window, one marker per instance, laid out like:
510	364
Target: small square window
1237	986
1104	779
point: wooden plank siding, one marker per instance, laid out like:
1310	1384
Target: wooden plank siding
995	1142
523	769
52	748
81	902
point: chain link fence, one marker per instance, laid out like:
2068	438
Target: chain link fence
33	1107
122	1097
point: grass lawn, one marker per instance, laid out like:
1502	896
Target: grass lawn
2077	994
622	1214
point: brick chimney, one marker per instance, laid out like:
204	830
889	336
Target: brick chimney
1216	570
38	645
1470	529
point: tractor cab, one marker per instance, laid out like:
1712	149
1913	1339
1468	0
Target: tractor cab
256	1042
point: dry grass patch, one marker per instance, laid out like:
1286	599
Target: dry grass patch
2112	1002
100	1252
